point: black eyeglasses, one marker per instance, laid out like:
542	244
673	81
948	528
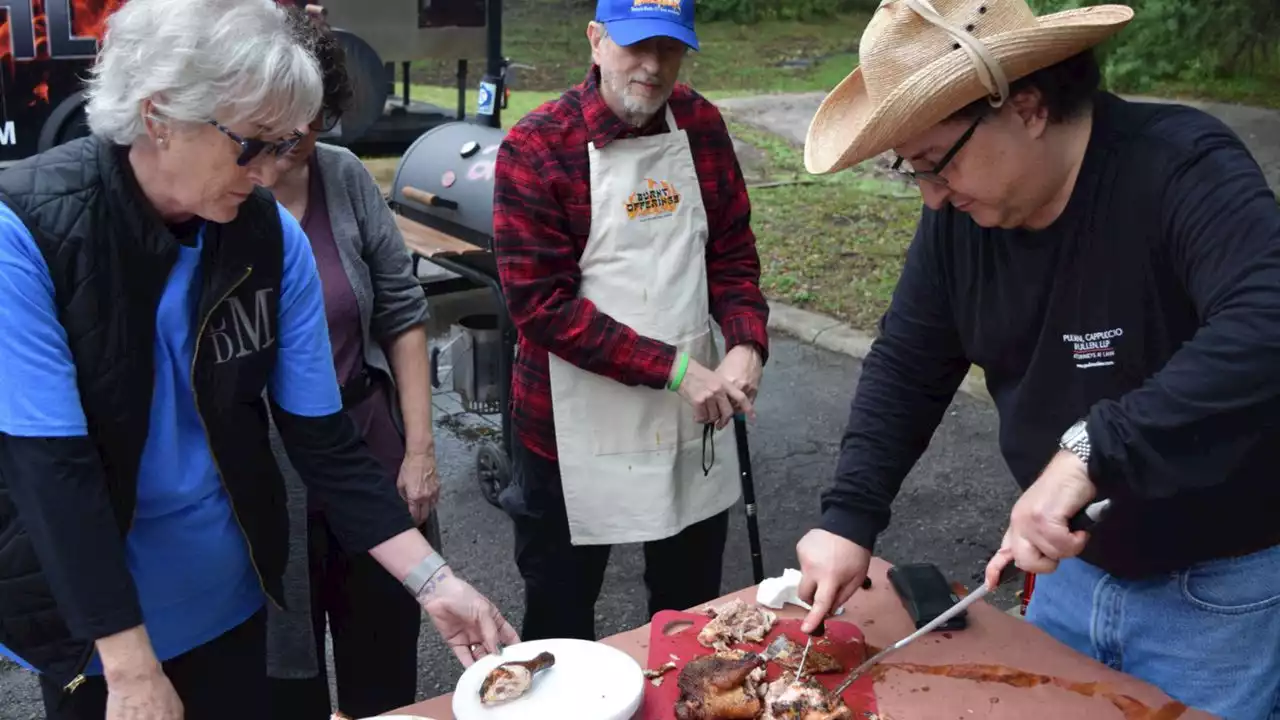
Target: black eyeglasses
935	175
251	148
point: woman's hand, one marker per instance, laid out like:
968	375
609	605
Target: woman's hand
137	688
468	622
419	484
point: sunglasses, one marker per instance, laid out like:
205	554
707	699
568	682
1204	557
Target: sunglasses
251	148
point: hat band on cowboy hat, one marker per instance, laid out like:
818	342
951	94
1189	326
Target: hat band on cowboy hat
923	60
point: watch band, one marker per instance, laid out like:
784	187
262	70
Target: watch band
1076	440
422	573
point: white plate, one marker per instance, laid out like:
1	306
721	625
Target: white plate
397	717
590	681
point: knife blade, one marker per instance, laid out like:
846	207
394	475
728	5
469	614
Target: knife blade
956	609
1085	519
817	632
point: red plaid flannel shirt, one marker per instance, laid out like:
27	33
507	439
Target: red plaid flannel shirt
541	218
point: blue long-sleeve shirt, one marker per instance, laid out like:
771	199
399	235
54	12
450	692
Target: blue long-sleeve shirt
1151	307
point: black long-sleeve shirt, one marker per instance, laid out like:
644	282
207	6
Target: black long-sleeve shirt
1151	307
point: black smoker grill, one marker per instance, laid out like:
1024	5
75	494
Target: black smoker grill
443	197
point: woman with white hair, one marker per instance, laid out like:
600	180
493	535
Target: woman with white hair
155	300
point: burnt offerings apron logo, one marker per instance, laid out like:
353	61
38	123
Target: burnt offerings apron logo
658	199
1094	349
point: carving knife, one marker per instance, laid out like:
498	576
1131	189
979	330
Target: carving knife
817	632
1083	520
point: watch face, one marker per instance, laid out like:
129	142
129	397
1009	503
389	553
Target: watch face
1074	434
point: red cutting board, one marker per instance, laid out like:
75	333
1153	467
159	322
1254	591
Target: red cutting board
846	644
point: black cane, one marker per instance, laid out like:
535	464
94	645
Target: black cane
749	496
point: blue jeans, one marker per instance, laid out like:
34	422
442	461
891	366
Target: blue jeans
1208	636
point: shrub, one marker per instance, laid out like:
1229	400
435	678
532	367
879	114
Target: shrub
1186	40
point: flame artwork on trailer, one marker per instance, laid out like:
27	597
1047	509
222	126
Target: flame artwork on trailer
46	50
46	47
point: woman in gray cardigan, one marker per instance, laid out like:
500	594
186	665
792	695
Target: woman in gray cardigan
376	312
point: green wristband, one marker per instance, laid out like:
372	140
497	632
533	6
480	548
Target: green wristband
682	364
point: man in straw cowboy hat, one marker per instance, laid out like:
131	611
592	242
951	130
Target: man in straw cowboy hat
1114	268
622	230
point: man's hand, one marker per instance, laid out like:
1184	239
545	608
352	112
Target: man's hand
1038	536
742	367
137	688
831	571
713	397
418	484
468	622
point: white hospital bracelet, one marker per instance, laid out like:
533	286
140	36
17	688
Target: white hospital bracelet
422	573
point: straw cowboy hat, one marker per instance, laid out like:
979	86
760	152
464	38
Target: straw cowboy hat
923	60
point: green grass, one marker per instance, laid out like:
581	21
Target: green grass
520	103
830	243
1261	91
550	35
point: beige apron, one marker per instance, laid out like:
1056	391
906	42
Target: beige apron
631	458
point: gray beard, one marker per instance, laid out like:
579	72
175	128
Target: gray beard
635	112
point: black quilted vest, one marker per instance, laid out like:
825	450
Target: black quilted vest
109	256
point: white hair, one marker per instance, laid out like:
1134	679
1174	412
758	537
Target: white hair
237	61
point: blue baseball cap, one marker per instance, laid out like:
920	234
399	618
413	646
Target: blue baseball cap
631	21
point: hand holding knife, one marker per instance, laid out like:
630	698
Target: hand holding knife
1085	519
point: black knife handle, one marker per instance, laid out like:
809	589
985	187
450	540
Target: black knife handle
1090	516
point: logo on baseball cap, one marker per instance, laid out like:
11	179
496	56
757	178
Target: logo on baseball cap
631	21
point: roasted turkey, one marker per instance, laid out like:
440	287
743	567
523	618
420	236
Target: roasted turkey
723	686
816	663
735	622
785	699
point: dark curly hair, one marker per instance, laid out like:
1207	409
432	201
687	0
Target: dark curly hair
324	45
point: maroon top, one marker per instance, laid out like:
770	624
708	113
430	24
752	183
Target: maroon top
373	415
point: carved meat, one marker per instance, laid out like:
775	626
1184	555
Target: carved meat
806	700
735	622
816	663
723	686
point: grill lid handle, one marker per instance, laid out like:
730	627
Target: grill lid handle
427	198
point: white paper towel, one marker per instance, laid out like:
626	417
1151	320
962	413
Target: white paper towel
775	592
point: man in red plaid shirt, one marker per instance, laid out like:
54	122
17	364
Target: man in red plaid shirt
622	230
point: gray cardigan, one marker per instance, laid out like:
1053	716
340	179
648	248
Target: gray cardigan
391	301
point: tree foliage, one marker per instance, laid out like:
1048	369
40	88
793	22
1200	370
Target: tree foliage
1178	40
1187	40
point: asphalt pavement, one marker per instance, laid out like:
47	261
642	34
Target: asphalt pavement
951	511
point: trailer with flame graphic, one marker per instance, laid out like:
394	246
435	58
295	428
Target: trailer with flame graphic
48	46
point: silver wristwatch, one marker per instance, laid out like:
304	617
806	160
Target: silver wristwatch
1076	440
420	575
